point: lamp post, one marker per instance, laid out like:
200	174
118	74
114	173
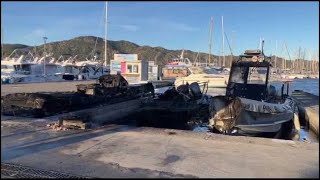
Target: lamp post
45	55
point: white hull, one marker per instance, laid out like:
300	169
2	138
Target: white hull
202	77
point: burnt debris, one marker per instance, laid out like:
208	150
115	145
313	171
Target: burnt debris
110	89
183	107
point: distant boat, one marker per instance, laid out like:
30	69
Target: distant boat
27	68
177	67
204	77
80	70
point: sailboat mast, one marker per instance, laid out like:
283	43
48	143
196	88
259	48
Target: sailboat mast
2	57
231	47
275	60
224	58
314	63
210	46
298	63
105	35
303	59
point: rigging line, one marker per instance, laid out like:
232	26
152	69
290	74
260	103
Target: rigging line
287	50
95	45
228	43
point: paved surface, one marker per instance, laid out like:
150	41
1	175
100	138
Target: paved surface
123	151
42	87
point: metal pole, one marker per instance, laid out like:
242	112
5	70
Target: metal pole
210	46
105	35
224	58
45	56
303	65
2	42
275	60
231	47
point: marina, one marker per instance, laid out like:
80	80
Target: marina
93	107
95	131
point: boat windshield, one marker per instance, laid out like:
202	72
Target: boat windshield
69	69
256	75
237	74
23	69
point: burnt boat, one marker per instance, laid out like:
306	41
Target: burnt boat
251	105
109	89
183	108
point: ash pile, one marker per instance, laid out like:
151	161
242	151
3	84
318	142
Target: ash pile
109	89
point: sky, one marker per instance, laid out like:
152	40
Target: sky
171	25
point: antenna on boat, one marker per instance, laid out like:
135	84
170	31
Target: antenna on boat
262	46
196	60
181	56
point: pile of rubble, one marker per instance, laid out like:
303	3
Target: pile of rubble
68	123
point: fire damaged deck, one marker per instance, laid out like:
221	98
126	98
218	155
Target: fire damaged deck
126	151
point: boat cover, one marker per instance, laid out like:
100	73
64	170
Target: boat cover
250	115
265	107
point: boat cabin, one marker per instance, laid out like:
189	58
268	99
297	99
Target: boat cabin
249	76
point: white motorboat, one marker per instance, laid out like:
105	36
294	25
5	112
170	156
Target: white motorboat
204	76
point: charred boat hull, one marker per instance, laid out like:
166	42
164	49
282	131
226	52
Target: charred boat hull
247	116
110	89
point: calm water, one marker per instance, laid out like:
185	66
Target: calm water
307	85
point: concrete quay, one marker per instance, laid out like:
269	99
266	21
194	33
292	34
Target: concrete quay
308	105
122	151
115	151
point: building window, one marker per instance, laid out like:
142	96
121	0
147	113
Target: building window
135	69
132	68
129	68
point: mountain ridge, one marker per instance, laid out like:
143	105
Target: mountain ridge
83	46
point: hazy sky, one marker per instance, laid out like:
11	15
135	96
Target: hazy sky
172	25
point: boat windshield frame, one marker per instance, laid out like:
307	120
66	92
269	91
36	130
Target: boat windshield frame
238	85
